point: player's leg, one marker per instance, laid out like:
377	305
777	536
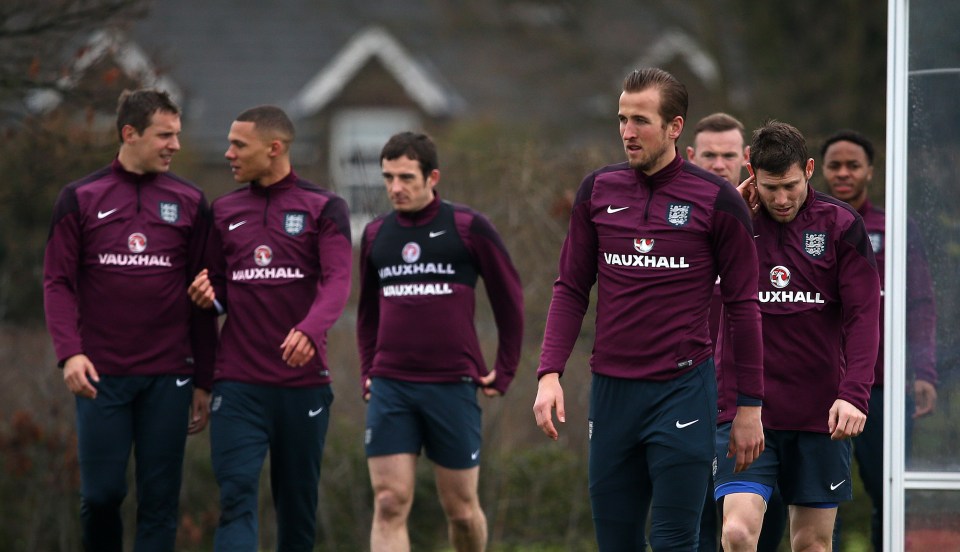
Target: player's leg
301	417
868	449
814	479
392	478
239	438
467	524
774	523
811	528
744	495
392	442
742	519
161	413
452	438
679	443
104	439
620	490
707	541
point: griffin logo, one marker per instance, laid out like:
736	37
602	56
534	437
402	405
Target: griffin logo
780	276
262	255
643	245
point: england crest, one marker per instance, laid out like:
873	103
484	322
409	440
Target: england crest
678	214
815	243
169	211
293	222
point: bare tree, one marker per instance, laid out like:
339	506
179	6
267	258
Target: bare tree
36	36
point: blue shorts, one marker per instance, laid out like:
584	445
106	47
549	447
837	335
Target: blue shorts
443	419
811	469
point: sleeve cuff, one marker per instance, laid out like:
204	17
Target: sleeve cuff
746	400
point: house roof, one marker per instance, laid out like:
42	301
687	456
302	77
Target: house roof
126	54
374	42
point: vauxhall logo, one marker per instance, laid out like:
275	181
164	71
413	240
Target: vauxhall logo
644	245
780	278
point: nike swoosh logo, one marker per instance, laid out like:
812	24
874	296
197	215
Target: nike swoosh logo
475	454
611	209
435	234
234	225
315	413
105	214
833	487
182	382
683	425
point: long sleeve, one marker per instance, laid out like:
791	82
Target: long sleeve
737	265
203	322
333	286
368	308
61	264
571	291
859	287
506	297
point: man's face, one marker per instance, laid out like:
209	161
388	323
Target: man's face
249	152
847	172
648	141
407	189
782	195
152	151
721	153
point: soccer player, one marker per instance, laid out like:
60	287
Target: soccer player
848	170
654	233
123	246
820	298
279	267
718	146
421	363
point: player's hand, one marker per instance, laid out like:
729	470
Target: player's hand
201	290
486	381
748	191
199	411
925	397
549	396
297	349
366	389
78	371
746	437
845	420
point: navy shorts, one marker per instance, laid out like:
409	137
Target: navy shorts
809	467
443	419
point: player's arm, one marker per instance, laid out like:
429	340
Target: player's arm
859	285
61	266
368	308
921	326
736	256
335	252
505	294
203	321
571	297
